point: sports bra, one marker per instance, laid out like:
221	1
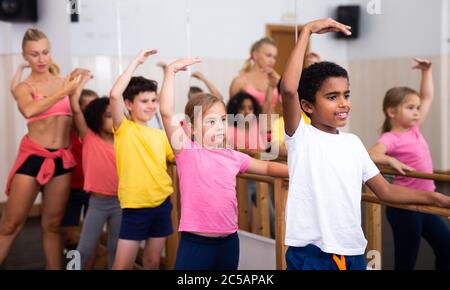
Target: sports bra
261	96
61	108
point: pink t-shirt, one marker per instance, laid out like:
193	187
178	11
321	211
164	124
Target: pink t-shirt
410	148
99	165
208	188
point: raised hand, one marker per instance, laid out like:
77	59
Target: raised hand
182	64
85	76
274	78
71	81
422	64
327	25
24	65
144	54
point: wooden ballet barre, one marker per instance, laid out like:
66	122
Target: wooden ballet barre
414	174
261	178
372	198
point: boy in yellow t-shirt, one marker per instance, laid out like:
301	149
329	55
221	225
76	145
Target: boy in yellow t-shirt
141	154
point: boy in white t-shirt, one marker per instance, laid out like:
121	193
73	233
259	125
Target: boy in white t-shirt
327	167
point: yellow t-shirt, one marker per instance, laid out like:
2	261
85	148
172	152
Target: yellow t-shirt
141	156
278	128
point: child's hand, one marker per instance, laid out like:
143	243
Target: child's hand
144	54
399	166
182	64
274	78
71	82
422	64
24	65
441	200
86	75
327	25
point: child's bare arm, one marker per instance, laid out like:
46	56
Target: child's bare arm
392	193
167	102
211	87
18	76
294	67
115	96
275	169
78	116
378	155
426	87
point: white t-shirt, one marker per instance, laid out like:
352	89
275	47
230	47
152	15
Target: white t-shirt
326	174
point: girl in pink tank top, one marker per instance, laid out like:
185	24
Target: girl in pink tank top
403	147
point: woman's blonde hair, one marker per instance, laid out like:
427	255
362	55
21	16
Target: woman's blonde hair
33	34
257	45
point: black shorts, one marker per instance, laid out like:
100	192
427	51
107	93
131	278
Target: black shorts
32	165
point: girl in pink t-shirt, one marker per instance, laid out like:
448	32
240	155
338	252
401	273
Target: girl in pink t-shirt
100	175
403	147
207	173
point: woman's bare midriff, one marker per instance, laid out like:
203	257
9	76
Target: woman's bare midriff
52	132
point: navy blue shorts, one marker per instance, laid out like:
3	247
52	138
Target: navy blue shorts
142	223
312	258
204	253
78	203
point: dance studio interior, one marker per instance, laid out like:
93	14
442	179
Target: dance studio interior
95	96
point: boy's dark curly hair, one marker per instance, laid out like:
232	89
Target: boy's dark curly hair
139	85
93	114
314	76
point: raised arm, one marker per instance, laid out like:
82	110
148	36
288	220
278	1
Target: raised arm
294	67
17	78
392	193
78	116
426	87
274	169
30	108
378	155
177	137
211	87
115	95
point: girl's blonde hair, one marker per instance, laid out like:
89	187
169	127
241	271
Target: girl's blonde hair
393	98
33	34
204	100
257	45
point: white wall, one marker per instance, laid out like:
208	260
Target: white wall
405	28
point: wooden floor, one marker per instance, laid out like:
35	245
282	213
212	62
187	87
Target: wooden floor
27	251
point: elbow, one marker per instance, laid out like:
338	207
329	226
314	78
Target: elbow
165	113
114	95
287	91
27	113
384	193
